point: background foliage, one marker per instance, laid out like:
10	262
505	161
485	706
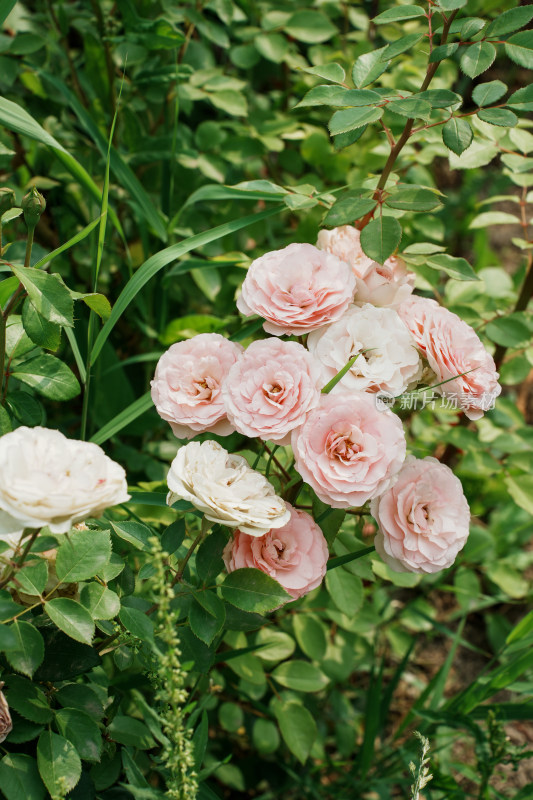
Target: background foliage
320	699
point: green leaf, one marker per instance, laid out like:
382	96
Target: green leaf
49	376
72	618
81	731
349	208
58	762
82	555
170	254
451	5
28	653
509	21
508	579
135	533
7	216
345	589
131	732
274	46
301	676
44	333
25	408
477	58
443	51
522	630
519	48
310	635
137	623
265	737
457	268
8	640
82	696
95	301
486	93
206	616
6	7
498	116
311	27
276	645
5	422
368	68
401	45
209	561
522	99
330	72
381	237
124	418
441	98
414	199
100	602
410	107
350	118
297	726
173	536
28	699
48	293
19	776
33	578
252	590
457	135
339	96
509	331
398	14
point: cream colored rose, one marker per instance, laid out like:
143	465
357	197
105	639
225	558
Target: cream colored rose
225	488
6	726
47	479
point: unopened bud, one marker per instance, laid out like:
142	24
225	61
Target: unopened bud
33	204
7	199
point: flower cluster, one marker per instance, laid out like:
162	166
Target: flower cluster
352	316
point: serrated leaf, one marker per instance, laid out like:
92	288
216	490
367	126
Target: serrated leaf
413	200
509	21
339	96
82	555
348	209
33	578
100	602
44	333
72	618
443	51
477	58
19	776
131	732
451	5
457	135
28	699
252	590
330	72
457	268
135	533
58	762
498	116
95	301
81	731
410	107
441	98
486	93
398	14
380	238
519	48
48	376
350	118
401	45
206	616
209	562
368	68
522	99
137	623
48	294
28	653
297	726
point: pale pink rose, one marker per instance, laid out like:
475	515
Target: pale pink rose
271	388
296	289
465	371
423	518
295	555
347	450
187	385
386	284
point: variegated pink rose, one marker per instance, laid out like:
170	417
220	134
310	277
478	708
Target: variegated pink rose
465	371
271	388
347	450
423	518
296	289
295	555
187	385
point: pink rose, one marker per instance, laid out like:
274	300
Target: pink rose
296	289
385	284
295	555
463	367
347	450
187	385
271	388
423	518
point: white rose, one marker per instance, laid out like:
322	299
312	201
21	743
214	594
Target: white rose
225	488
387	359
47	479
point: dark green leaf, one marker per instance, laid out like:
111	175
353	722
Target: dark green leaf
58	762
339	96
509	331
457	268
399	13
457	135
82	696
131	732
252	590
44	333
83	555
72	618
82	731
64	658
206	616
297	726
485	94
522	99
413	200
49	376
498	116
209	561
135	533
410	107
137	623
350	118
519	48
349	208
25	408
509	21
401	45
100	602
28	653
48	293
172	538
345	589
311	635
443	51
6	7
381	237
27	699
19	776
368	68
441	98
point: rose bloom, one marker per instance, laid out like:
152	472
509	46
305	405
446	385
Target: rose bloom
225	488
294	555
296	289
187	385
347	450
385	284
271	388
387	359
463	367
423	518
6	726
47	479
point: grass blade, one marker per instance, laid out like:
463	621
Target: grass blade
126	416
